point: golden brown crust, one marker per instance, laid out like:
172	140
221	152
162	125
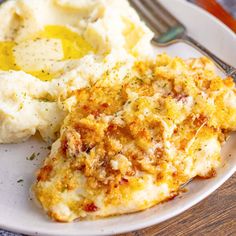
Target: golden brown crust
160	127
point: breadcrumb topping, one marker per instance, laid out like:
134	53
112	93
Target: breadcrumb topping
126	147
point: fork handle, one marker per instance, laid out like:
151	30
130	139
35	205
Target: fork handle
224	67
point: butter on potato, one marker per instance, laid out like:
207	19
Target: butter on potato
34	55
57	47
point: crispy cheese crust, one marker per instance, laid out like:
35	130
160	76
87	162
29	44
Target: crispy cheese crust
130	145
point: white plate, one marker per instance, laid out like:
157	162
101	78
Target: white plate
18	213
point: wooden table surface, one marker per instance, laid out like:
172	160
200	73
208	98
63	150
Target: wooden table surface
216	215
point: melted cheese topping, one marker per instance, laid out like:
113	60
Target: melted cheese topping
128	145
13	55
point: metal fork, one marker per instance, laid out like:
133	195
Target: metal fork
169	30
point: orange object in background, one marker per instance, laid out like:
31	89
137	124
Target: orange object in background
217	10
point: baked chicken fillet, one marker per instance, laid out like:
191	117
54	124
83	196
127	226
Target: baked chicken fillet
129	145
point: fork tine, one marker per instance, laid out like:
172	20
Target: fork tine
149	19
157	15
161	13
159	19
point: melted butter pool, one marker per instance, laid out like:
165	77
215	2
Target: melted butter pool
74	47
7	60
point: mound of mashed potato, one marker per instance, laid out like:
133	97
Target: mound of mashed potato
50	48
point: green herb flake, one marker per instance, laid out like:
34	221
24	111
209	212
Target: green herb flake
140	80
32	157
164	85
20	181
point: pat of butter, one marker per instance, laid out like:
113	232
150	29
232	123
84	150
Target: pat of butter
35	55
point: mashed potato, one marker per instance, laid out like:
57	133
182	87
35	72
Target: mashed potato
44	57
